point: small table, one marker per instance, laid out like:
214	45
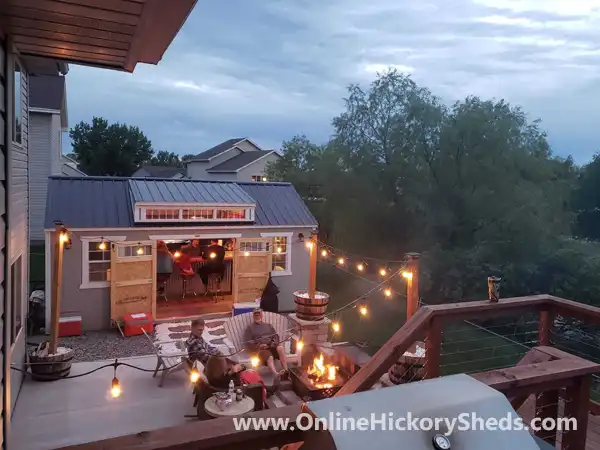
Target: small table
244	406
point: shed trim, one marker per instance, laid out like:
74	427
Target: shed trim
85	261
225	227
288	253
168	237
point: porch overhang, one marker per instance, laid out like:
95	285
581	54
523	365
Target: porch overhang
114	34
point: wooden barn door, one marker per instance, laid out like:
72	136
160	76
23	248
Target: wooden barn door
252	266
132	279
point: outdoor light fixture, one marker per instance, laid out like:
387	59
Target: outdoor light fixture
65	239
407	275
102	245
300	237
335	326
115	388
194	374
254	361
264	178
140	250
309	245
323	253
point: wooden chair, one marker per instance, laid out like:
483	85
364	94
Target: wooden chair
170	358
235	328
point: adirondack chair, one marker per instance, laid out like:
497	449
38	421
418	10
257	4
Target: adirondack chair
237	325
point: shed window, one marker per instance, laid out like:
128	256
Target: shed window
17	105
162	213
253	246
281	254
197	213
231	214
130	251
98	262
259	178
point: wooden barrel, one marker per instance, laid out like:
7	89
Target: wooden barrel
312	309
410	366
51	367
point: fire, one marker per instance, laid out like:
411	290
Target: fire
322	375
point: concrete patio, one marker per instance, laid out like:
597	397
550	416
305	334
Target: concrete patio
73	411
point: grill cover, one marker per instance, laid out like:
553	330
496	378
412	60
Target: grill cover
445	397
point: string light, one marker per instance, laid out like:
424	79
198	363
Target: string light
212	255
140	250
278	249
254	361
387	292
102	245
341	261
299	345
360	267
382	272
177	254
336	327
115	387
194	374
323	253
363	310
407	275
264	179
246	253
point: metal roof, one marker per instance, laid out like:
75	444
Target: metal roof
160	171
148	190
217	149
107	202
239	161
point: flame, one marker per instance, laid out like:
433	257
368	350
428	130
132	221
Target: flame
322	375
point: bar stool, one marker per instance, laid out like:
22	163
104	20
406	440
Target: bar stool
187	275
214	286
161	285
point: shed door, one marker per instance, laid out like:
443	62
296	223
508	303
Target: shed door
132	279
252	268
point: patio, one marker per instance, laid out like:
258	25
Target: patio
79	410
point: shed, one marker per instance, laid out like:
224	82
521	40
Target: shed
115	225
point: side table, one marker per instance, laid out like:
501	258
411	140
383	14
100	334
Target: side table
244	406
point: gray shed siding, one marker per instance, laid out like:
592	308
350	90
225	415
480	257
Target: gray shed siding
41	165
94	304
19	227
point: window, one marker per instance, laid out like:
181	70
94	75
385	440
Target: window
258	178
193	214
162	214
16	298
253	246
281	254
231	214
17	106
129	251
98	262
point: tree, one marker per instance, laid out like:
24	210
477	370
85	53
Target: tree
164	158
116	149
186	158
587	201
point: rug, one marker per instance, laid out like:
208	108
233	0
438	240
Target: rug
214	334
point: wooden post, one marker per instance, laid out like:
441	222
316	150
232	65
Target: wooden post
412	285
577	404
312	271
57	269
545	327
433	348
546	406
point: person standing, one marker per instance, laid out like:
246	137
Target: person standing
214	262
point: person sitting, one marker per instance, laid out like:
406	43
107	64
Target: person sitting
214	262
220	372
198	349
260	337
164	259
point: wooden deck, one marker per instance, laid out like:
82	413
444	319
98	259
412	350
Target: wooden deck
191	306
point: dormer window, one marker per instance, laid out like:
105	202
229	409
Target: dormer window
155	213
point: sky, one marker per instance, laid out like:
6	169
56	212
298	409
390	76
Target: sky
272	69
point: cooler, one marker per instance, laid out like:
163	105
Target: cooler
246	307
136	324
69	326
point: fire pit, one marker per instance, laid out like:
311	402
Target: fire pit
320	378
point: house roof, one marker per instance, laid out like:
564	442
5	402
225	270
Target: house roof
217	149
106	202
47	92
182	191
240	161
162	171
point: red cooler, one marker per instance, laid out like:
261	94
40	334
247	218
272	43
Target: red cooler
136	324
69	326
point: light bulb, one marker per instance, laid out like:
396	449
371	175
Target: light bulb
341	261
323	253
264	178
140	251
254	361
115	389
363	310
407	275
309	245
102	245
278	249
194	375
246	253
64	237
360	267
388	292
177	254
335	326
299	345
212	255
383	272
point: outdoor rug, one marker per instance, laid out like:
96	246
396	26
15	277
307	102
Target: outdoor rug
214	334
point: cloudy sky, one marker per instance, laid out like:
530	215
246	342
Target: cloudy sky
270	69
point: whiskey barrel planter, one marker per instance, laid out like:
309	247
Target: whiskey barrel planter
46	367
311	309
410	366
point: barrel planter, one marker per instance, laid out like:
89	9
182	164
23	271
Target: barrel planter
46	367
410	366
311	309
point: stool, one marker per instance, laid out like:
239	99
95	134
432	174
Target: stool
214	286
186	276
161	285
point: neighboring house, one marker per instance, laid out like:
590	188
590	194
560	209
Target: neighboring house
149	171
237	159
40	38
48	119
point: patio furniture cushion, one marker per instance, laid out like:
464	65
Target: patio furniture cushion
235	328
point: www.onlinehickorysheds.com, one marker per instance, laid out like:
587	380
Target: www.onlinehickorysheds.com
389	422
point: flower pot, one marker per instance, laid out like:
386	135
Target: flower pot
311	309
45	367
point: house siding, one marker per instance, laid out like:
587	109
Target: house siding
94	304
197	170
4	96
256	168
41	164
